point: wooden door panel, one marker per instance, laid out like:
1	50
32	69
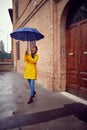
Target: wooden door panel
83	59
76	59
72	69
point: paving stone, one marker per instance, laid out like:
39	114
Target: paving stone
14	129
49	110
65	123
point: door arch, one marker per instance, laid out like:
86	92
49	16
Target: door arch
76	50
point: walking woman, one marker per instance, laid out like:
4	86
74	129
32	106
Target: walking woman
30	71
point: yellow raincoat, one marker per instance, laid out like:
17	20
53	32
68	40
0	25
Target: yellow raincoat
30	70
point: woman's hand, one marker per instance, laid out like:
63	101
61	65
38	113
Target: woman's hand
27	52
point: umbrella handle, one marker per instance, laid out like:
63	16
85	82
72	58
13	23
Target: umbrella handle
28	47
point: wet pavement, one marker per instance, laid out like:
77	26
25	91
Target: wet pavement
49	110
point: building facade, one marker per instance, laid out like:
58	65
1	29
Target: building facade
62	64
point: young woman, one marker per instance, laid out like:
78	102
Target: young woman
30	71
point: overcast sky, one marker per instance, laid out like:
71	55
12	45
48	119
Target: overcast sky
5	23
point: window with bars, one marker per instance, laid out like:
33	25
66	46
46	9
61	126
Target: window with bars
78	12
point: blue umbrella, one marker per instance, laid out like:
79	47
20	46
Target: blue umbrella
27	34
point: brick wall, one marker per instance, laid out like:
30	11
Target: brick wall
48	18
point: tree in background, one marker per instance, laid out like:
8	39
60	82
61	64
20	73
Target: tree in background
2	50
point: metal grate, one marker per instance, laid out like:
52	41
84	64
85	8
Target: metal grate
78	12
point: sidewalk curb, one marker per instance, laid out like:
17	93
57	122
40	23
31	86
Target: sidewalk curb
73	97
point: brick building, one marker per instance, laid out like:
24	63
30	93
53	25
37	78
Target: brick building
62	53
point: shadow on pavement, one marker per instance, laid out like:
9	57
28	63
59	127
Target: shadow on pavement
77	109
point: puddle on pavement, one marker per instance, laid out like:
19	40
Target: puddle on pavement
2	73
6	114
20	112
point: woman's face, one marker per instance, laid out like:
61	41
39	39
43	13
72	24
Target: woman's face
33	50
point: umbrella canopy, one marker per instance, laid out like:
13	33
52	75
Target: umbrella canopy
27	34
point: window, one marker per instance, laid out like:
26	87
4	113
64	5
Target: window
78	12
29	1
16	9
18	50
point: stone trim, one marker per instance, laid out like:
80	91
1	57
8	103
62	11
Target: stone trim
40	4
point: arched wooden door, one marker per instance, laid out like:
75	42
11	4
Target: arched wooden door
76	58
